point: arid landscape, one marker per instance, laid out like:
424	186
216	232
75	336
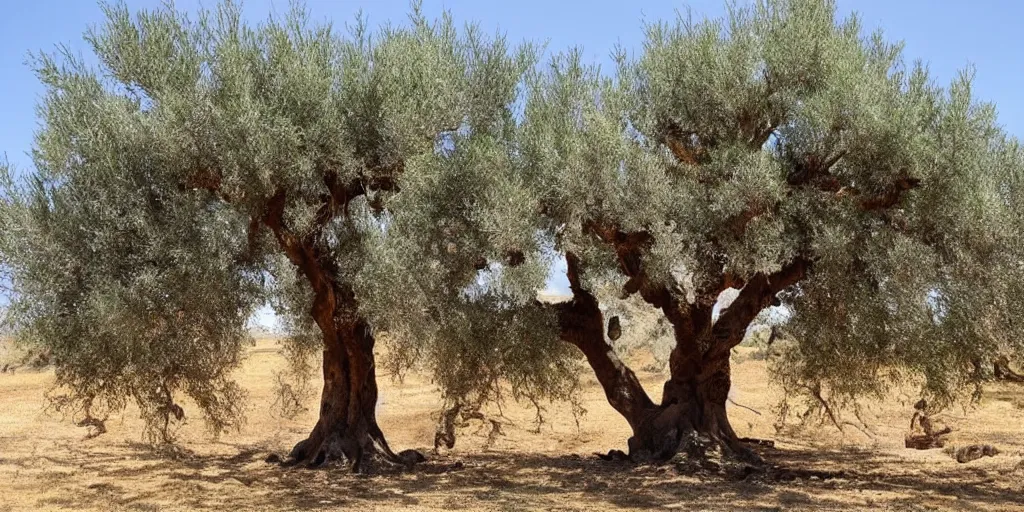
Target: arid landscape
511	255
45	464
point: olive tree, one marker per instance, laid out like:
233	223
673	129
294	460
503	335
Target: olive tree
781	153
205	166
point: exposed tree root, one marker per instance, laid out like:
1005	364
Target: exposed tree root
737	470
760	442
782	474
459	415
613	455
693	446
366	453
926	441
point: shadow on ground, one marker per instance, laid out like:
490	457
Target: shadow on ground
137	477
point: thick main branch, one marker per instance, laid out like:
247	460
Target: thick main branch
582	325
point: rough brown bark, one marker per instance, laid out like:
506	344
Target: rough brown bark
694	399
693	406
692	414
582	325
347	428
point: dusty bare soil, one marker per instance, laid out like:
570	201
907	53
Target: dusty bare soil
46	465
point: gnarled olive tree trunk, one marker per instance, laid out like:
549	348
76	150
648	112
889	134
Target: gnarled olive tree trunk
347	428
692	413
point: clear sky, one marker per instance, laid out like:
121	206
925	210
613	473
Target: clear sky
946	34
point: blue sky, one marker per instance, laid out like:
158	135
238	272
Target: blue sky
948	35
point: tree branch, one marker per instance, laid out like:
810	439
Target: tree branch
812	169
891	196
759	293
581	324
685	145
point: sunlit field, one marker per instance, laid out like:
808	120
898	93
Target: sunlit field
45	463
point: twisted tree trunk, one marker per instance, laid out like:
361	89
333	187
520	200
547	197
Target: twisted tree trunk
1002	371
692	414
347	429
582	324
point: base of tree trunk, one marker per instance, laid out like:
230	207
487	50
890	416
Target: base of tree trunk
693	427
365	452
654	445
347	431
692	418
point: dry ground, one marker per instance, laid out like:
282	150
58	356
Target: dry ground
46	465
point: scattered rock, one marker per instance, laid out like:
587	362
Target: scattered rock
273	458
975	452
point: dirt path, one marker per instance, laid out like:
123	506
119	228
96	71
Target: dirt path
45	464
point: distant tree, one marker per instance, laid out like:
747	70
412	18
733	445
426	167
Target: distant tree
206	166
780	152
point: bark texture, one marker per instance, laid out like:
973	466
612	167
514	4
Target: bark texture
347	428
1002	371
691	415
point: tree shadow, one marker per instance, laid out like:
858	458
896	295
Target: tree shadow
137	477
